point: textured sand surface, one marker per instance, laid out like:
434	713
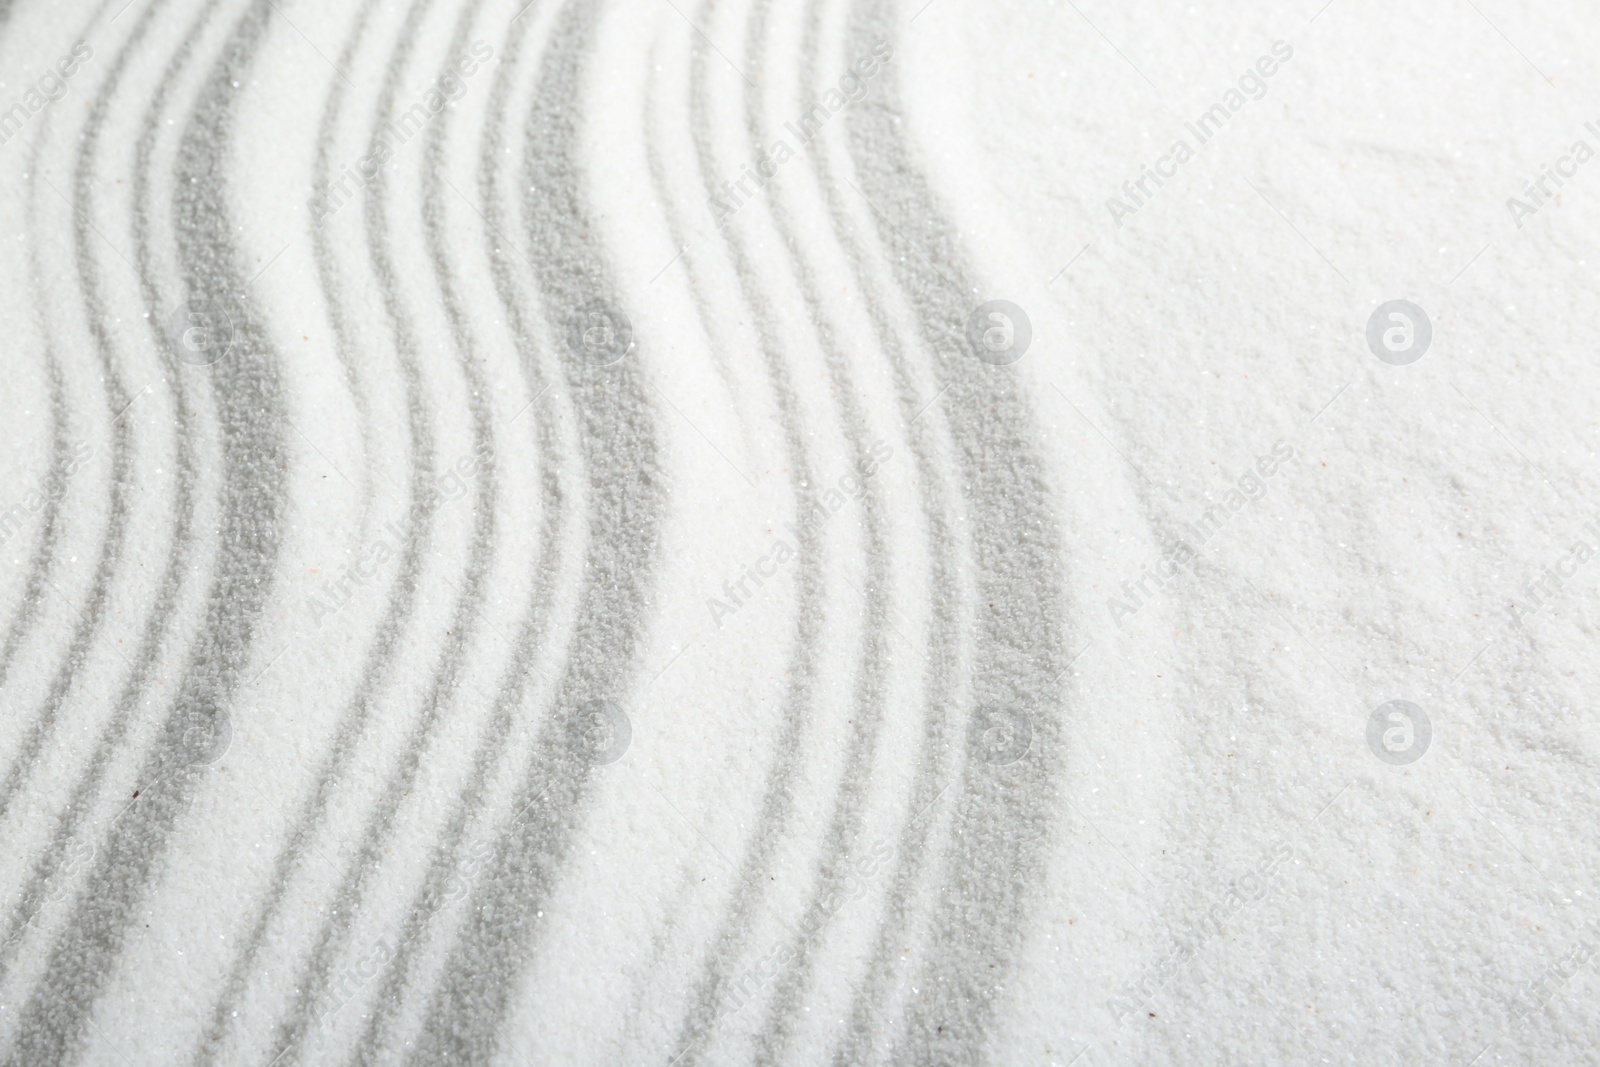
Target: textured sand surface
722	531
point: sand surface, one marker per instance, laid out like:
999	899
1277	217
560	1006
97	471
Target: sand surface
689	532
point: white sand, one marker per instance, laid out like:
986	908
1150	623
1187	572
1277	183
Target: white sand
530	622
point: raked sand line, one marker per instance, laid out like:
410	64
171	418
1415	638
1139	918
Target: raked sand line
346	741
1002	811
788	1003
943	720
40	559
21	624
627	498
714	993
90	618
843	839
250	408
74	821
379	1043
472	599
